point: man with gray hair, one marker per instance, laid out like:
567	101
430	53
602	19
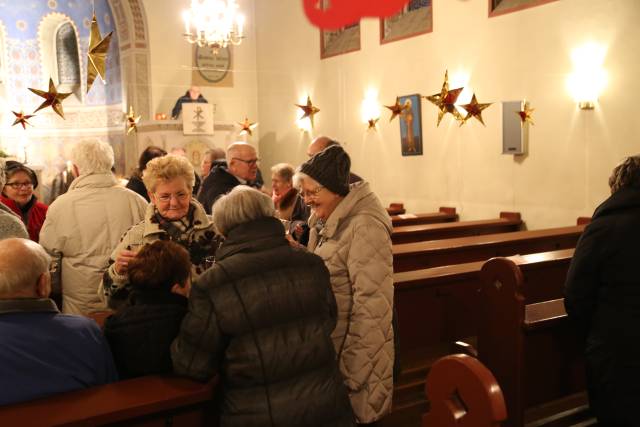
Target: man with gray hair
10	224
43	352
86	223
241	168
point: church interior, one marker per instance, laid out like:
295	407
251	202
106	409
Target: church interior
517	109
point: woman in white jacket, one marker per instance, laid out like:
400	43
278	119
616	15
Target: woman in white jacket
351	231
86	223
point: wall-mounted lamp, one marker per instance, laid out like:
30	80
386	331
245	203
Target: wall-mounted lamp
370	110
588	78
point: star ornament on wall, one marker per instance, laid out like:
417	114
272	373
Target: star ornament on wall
97	54
247	127
52	98
373	123
525	114
446	99
396	109
474	109
309	110
22	118
132	121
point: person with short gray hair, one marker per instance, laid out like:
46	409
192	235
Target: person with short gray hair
43	352
263	307
10	223
84	225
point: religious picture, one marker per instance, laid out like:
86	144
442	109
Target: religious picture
411	125
500	7
415	18
337	42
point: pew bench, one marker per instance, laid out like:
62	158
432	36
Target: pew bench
507	222
155	400
444	214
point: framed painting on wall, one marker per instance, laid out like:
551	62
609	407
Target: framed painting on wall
500	7
337	42
415	18
411	125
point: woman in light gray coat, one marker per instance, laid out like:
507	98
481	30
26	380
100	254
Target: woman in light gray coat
351	232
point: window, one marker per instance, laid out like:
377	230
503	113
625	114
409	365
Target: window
68	60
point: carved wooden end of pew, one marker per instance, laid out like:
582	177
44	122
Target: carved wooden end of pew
463	393
396	209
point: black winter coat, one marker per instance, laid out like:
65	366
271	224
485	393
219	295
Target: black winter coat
262	317
217	183
136	185
602	297
141	332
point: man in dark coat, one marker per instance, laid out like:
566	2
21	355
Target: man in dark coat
192	95
602	298
262	318
241	168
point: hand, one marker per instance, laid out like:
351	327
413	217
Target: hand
122	261
293	243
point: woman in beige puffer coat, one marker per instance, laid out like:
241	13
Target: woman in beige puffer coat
351	231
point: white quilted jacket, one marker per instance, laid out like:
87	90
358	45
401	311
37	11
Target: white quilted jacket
355	245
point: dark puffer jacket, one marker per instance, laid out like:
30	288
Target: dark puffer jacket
220	181
262	318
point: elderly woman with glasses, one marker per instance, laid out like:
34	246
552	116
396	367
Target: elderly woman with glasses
351	232
17	194
173	215
10	224
262	318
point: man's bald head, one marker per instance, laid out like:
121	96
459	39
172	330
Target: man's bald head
242	161
24	269
319	144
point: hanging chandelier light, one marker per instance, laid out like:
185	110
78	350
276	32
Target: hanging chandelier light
214	23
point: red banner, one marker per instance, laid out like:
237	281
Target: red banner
346	12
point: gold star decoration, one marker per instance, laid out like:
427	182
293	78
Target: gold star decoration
373	123
396	109
446	99
474	109
22	119
132	121
97	54
309	110
247	127
52	98
525	114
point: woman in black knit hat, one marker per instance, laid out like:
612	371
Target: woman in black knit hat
351	231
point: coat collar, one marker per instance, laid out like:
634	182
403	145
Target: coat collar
97	180
626	198
28	305
200	219
263	233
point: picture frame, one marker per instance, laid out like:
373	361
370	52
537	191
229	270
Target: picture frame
501	7
415	18
411	125
341	41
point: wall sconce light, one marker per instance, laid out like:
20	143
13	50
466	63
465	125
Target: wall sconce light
370	110
588	78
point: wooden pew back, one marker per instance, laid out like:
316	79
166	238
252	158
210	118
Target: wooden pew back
444	214
463	393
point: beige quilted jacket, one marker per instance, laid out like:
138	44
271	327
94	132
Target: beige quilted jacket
355	245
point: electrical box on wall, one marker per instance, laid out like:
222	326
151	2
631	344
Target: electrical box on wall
515	132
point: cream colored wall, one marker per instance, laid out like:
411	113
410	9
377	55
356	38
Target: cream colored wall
171	62
511	57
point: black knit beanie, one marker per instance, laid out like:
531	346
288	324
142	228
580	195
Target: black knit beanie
330	168
12	166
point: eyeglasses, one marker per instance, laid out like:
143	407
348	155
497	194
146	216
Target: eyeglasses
166	198
313	194
251	162
17	185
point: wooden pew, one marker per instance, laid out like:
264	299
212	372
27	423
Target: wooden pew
156	400
396	209
463	393
416	256
507	222
444	214
530	347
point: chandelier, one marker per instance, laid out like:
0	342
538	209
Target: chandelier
214	23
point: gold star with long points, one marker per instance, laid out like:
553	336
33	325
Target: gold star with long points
396	109
52	98
474	109
22	119
446	99
309	110
97	54
525	114
247	127
132	121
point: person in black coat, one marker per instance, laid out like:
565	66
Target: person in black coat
262	319
135	182
140	333
192	95
602	298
